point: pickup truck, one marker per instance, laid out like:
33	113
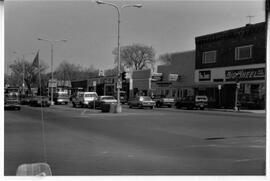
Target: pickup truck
12	101
192	102
162	101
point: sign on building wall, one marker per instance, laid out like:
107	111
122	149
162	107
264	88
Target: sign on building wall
173	77
63	83
245	74
205	75
156	77
52	83
141	74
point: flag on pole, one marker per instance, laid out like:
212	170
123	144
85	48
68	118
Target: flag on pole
36	60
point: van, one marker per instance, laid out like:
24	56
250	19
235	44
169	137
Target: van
83	99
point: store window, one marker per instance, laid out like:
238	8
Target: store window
209	57
174	93
243	52
167	92
252	96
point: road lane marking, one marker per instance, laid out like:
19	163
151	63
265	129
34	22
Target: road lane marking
249	159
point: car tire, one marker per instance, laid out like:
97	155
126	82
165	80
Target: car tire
152	107
169	106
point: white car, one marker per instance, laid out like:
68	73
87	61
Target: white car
83	99
102	100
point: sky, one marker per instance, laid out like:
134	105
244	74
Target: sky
91	29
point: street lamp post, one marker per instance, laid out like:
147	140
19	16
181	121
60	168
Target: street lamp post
118	8
52	42
237	87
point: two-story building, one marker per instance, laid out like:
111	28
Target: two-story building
229	57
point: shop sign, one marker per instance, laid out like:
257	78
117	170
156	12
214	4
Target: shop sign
119	85
52	83
173	77
156	77
245	74
64	83
205	75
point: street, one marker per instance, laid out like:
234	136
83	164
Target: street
161	141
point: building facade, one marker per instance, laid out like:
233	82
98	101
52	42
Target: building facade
102	85
177	77
231	60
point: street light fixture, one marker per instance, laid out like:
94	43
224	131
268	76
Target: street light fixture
52	42
118	8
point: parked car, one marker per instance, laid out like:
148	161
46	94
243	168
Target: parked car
123	97
162	101
192	102
83	99
25	99
141	102
101	101
12	101
61	98
42	101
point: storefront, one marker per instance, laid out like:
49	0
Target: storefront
220	85
177	79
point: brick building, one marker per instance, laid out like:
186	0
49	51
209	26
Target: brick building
228	57
178	77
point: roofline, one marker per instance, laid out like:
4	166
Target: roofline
198	39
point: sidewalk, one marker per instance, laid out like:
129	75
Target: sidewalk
241	110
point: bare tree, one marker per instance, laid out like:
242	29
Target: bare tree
69	71
31	73
136	56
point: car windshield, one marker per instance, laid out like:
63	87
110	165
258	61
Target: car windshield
12	95
146	99
201	98
90	95
63	96
108	98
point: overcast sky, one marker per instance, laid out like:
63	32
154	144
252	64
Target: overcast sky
91	29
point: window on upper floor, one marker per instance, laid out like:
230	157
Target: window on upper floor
209	57
243	52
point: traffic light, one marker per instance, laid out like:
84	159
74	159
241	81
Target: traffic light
123	75
238	85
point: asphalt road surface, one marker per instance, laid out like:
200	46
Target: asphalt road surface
161	141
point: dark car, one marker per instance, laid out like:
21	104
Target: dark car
192	102
162	101
12	101
101	101
141	102
42	101
25	99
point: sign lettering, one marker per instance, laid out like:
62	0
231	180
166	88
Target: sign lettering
245	74
205	75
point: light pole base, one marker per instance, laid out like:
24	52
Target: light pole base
52	103
118	108
236	108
